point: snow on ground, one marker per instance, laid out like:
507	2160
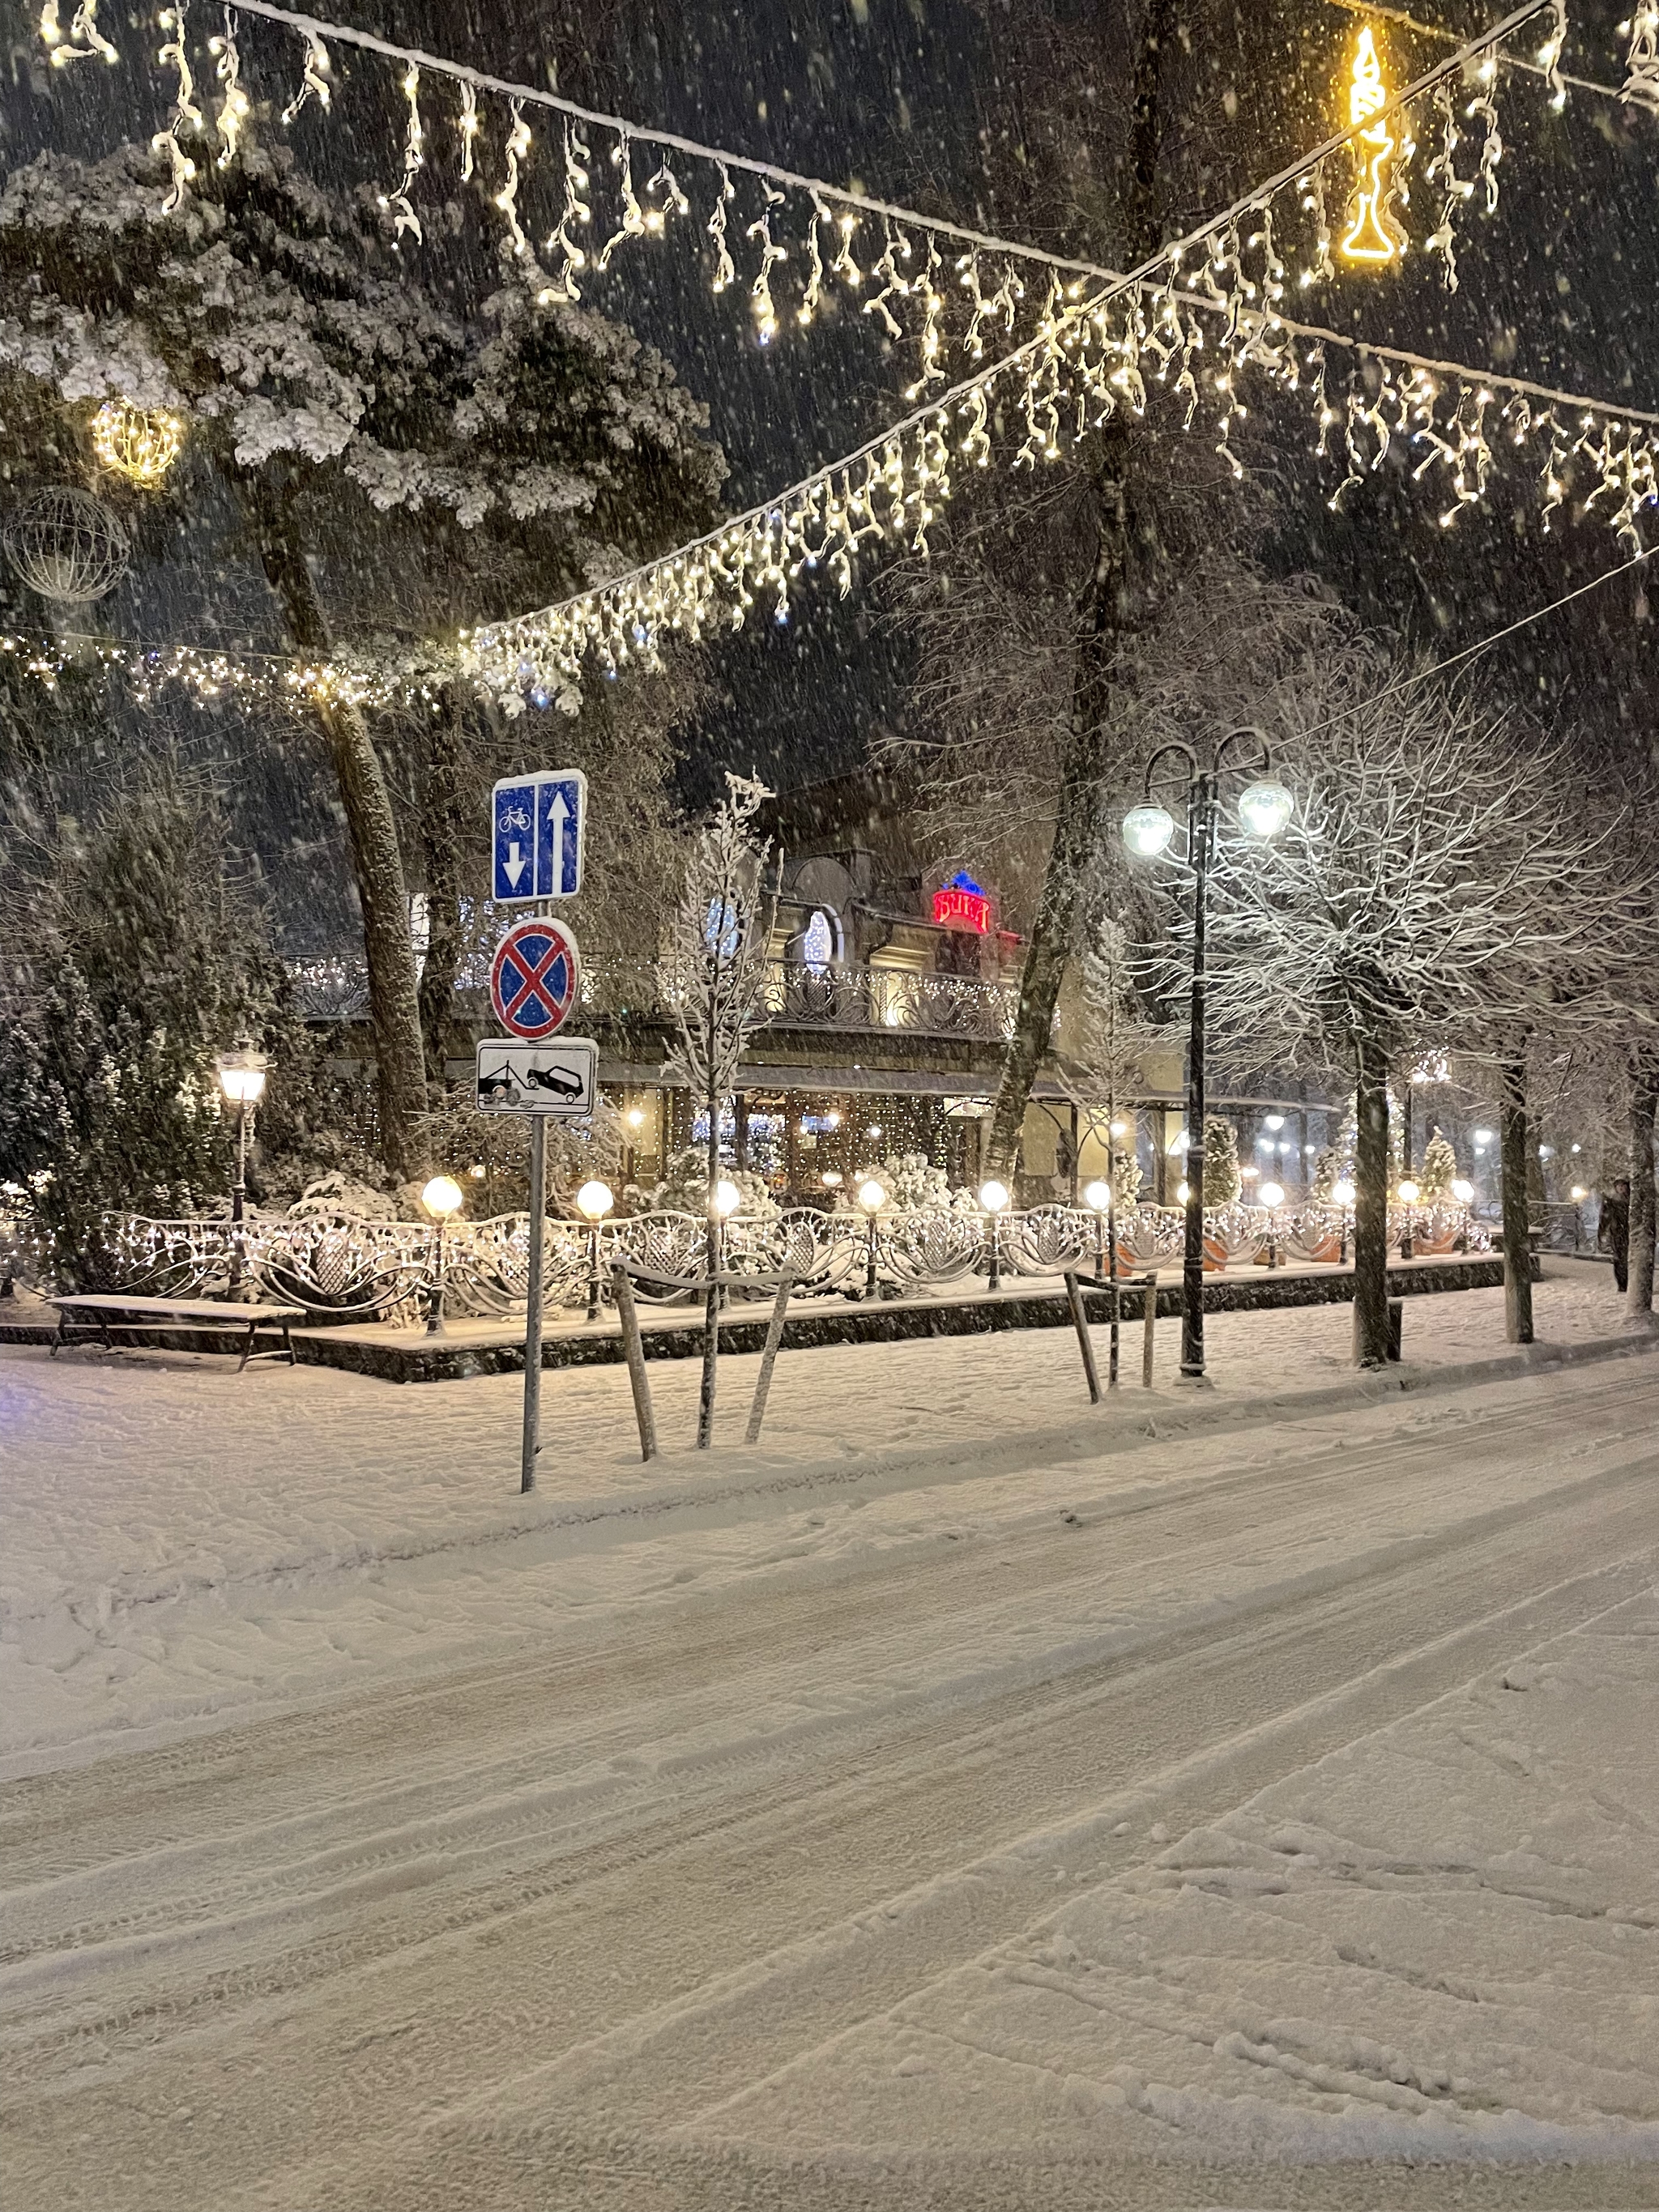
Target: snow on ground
1441	1941
181	1542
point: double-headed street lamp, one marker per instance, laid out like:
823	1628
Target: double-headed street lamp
1149	829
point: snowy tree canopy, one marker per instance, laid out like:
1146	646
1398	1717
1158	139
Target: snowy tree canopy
280	320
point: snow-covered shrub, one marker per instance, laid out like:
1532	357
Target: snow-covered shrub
684	1189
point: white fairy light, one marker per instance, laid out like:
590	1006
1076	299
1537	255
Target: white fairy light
1641	85
234	108
85	38
576	209
466	124
932	307
814	289
1549	55
844	265
725	267
887	268
314	81
633	215
1443	168
518	145
760	292
414	161
185	113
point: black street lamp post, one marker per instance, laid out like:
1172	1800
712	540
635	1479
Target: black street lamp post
1264	808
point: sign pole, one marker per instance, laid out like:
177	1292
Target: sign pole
533	1325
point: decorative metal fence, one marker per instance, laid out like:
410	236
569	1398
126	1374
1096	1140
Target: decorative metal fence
348	1269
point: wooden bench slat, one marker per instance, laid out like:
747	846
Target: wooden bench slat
207	1309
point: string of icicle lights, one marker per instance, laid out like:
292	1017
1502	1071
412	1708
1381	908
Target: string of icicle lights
1095	358
602	186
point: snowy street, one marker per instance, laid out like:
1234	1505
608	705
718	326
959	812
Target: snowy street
1002	1814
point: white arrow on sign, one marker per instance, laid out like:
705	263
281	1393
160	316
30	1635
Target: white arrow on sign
514	865
558	814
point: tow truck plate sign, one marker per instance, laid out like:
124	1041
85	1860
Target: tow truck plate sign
560	1077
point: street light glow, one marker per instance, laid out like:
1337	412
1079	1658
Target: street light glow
1264	809
1147	831
1409	1192
871	1196
442	1197
1271	1194
1342	1194
1098	1196
992	1196
727	1197
242	1075
1462	1190
594	1201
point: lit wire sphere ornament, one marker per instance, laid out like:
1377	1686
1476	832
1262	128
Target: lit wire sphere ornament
1264	809
139	443
67	545
1147	831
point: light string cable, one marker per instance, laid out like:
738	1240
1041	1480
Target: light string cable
1415	23
1437	669
313	27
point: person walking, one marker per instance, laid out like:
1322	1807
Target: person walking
1613	1229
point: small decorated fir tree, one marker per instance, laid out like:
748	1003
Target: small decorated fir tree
1221	1177
1434	1177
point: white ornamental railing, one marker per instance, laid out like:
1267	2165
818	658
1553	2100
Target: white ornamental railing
344	1268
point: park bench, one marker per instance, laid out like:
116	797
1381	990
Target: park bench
93	1313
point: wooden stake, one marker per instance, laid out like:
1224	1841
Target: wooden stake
1081	1323
1149	1315
774	1337
634	1348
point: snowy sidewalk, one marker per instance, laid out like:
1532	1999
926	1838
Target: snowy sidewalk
178	1539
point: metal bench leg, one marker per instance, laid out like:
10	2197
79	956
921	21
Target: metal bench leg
247	1347
288	1346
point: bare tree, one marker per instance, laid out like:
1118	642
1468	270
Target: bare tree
1427	893
713	974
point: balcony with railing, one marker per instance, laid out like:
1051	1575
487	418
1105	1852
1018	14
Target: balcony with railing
919	1003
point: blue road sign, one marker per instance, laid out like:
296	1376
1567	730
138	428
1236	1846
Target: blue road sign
538	827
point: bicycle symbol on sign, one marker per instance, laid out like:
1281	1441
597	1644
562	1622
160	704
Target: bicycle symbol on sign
517	817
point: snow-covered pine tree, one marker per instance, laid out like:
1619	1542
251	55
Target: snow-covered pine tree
135	957
385	456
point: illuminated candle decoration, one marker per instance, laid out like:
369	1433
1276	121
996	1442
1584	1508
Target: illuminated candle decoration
139	443
963	904
1371	235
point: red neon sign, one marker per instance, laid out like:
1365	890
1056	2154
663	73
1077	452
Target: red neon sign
961	904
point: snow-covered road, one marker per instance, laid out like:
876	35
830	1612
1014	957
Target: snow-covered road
1152	1828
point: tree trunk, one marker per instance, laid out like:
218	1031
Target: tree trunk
1371	1204
372	837
1517	1211
1109	607
1644	1107
443	832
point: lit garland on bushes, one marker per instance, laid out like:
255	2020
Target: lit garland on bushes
211	674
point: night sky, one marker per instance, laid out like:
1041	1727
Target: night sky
1013	117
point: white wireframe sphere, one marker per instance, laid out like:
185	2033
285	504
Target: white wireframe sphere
67	545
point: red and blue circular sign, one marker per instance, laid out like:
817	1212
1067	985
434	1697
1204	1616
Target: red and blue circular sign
535	978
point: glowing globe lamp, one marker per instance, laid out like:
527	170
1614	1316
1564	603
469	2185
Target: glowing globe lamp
594	1201
992	1196
1098	1196
1147	831
1265	808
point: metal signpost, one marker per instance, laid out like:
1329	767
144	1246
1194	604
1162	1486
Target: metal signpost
538	828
